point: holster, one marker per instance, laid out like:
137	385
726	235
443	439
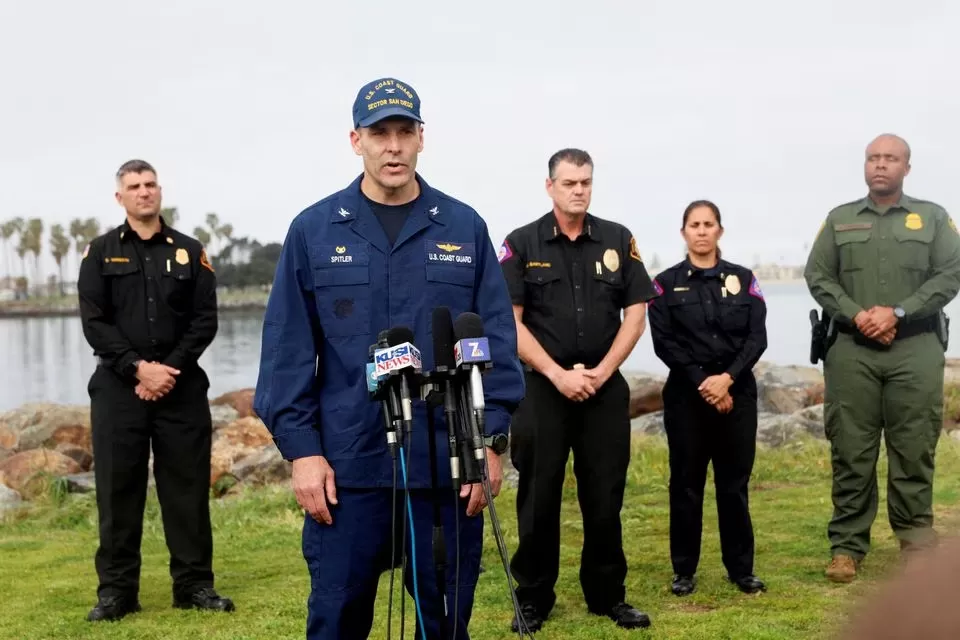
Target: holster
823	333
943	329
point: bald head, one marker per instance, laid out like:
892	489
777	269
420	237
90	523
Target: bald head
893	139
887	164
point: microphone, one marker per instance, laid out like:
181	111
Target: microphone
386	396
471	354
400	360
445	367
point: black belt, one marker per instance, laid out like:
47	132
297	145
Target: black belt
904	330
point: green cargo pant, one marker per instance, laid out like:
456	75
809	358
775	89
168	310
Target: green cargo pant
901	392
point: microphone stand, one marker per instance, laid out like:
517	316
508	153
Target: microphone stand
439	543
475	470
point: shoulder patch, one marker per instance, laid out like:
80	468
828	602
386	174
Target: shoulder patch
657	290
505	252
634	252
204	262
755	289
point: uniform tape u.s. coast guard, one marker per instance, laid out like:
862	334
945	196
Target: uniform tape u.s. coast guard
447	252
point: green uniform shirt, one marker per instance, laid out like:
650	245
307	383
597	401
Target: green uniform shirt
865	255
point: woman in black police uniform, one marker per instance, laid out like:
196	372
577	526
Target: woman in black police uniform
708	327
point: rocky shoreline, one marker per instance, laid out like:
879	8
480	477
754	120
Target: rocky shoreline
44	443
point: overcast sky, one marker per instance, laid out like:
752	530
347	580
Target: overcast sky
244	107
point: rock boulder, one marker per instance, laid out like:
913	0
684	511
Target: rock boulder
17	470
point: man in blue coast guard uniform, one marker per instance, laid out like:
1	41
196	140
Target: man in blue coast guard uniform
365	259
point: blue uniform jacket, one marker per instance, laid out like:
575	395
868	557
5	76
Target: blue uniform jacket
338	284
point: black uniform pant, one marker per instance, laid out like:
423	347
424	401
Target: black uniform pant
546	426
696	434
179	428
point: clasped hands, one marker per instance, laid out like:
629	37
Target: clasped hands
877	323
716	391
156	380
579	383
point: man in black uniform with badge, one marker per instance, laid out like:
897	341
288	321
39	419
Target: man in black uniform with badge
148	307
570	274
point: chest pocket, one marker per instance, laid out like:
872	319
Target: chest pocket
914	245
121	278
853	246
685	308
735	314
543	289
177	285
341	281
450	270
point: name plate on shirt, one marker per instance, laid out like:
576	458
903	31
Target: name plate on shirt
337	254
459	253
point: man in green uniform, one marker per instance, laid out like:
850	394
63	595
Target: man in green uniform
884	267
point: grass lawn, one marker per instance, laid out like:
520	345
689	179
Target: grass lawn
49	582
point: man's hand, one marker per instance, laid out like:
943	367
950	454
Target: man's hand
574	384
725	404
143	394
313	482
598	375
878	321
158	379
887	338
478	498
714	388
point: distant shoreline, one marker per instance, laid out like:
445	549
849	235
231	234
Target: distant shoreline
245	303
27	312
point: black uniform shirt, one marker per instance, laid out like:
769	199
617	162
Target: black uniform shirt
707	322
572	292
151	300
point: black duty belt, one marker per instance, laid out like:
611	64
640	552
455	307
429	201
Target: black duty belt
904	330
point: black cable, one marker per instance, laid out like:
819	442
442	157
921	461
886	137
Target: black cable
438	542
403	551
456	573
393	546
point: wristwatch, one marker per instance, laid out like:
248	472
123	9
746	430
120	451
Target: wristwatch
497	442
899	312
134	366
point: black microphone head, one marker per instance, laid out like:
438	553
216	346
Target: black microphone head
468	325
399	335
382	338
443	338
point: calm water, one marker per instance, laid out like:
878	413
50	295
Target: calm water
48	360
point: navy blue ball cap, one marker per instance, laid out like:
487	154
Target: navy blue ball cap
385	98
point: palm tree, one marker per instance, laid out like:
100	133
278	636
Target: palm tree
6	233
170	216
10	228
202	235
91	229
22	249
34	235
79	237
59	248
